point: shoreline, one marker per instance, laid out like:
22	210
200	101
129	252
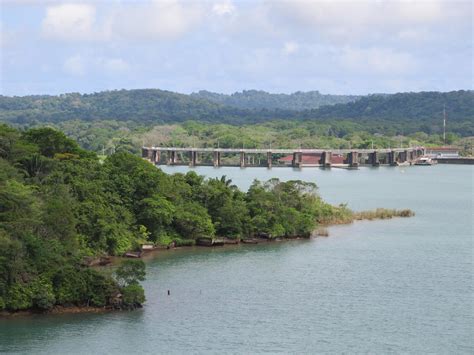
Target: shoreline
56	310
320	232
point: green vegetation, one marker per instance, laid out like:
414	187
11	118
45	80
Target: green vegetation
280	134
256	99
398	114
128	276
383	213
60	206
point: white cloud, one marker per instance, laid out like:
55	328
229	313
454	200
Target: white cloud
70	21
224	8
165	19
348	21
75	65
158	19
290	47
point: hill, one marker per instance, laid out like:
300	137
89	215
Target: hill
397	113
254	99
146	106
404	106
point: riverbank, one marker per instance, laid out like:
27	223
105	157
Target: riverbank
345	217
56	310
262	238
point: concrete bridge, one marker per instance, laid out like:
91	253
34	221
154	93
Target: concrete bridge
278	157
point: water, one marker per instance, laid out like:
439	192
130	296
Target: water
401	286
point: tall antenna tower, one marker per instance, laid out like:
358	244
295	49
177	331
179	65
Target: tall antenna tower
444	124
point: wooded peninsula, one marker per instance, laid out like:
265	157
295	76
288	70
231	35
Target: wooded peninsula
61	206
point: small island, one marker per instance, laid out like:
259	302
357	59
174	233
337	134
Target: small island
64	210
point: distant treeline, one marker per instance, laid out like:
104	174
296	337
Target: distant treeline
255	99
402	113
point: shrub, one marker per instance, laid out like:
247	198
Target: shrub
133	295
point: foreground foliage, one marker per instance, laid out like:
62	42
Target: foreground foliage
61	206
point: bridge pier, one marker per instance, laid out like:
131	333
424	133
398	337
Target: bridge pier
172	157
192	158
216	159
404	156
374	159
149	155
391	158
326	159
297	160
156	157
269	159
242	159
353	159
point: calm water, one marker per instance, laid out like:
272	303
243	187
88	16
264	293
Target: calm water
401	286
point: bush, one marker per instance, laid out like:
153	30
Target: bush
18	297
42	294
185	242
133	295
130	272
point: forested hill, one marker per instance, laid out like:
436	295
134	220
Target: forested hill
255	99
424	106
415	111
146	106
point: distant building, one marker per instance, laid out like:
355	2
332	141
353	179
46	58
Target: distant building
442	152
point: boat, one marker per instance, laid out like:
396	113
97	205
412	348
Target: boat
425	161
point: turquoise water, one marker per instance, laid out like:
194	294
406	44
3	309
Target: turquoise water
396	286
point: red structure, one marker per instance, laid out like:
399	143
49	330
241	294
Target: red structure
312	159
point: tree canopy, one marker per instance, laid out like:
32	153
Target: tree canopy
402	113
61	206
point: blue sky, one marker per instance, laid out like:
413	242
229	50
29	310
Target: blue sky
338	47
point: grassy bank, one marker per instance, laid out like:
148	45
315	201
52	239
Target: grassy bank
343	215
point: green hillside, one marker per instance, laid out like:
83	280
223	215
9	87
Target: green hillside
398	113
255	99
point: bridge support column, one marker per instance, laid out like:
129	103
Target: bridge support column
156	157
374	159
297	160
391	158
242	159
404	156
150	155
192	158
144	153
172	157
269	159
326	159
352	159
217	159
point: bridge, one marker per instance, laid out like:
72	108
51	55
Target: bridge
281	157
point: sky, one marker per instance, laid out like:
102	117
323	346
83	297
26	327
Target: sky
336	47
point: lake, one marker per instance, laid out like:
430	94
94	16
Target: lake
393	286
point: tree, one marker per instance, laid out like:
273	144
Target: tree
130	272
133	295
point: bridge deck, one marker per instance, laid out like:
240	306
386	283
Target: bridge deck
279	151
